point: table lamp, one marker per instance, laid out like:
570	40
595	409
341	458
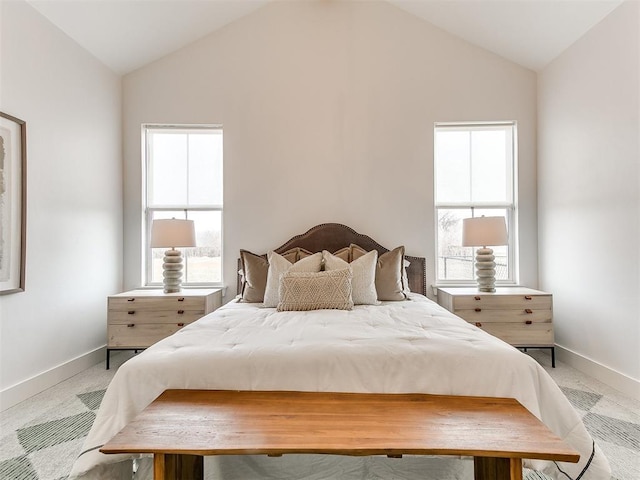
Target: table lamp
484	232
172	233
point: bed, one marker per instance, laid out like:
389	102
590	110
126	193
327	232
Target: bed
407	344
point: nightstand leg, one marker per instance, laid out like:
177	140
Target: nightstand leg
553	357
108	358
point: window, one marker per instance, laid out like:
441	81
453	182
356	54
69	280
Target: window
183	179
475	171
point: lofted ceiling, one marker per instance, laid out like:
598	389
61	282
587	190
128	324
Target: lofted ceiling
128	34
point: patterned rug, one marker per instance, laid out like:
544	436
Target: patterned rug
45	445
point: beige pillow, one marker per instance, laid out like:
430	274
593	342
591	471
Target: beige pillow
254	273
363	281
344	254
389	272
315	290
296	253
302	253
279	265
356	251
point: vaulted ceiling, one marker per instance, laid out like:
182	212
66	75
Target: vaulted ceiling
128	34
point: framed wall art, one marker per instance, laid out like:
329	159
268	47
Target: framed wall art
13	194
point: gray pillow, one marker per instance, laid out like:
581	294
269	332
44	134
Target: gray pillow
254	276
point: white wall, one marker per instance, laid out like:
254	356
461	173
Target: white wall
72	107
589	208
328	111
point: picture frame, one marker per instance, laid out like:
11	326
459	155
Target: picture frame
13	203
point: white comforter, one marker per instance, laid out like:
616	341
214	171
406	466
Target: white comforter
411	346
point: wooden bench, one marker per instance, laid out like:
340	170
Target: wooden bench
181	426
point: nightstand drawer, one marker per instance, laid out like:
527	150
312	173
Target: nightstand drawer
505	316
466	302
169	316
124	303
140	335
535	334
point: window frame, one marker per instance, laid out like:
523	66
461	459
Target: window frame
148	211
511	208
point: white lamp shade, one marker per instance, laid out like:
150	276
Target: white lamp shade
484	231
173	233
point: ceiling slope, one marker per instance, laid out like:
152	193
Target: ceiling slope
127	34
528	32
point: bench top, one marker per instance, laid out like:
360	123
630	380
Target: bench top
218	422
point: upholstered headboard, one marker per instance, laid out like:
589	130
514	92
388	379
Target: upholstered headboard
334	236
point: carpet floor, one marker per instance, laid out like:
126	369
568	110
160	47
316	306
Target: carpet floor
41	437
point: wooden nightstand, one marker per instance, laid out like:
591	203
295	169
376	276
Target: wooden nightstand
139	318
520	316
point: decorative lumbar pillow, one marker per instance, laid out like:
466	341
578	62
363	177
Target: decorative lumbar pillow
254	273
279	265
364	275
316	290
389	273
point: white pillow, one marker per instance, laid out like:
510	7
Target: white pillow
279	265
405	277
363	281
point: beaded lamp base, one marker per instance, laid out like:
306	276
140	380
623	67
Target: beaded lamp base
172	271
486	270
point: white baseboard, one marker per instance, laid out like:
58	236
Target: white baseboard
606	375
15	394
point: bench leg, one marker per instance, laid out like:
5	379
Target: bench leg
177	467
490	468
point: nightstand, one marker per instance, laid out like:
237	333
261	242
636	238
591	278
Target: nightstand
139	318
520	316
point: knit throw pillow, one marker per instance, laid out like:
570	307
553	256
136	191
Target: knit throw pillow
315	291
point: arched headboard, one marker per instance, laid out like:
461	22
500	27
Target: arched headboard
334	236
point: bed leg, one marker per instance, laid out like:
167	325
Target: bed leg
491	468
178	467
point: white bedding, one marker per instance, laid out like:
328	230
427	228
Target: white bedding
411	346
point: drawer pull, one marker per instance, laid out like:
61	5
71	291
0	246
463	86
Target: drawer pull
131	299
528	322
181	324
131	325
131	312
181	299
527	297
478	324
528	310
180	312
478	310
477	298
